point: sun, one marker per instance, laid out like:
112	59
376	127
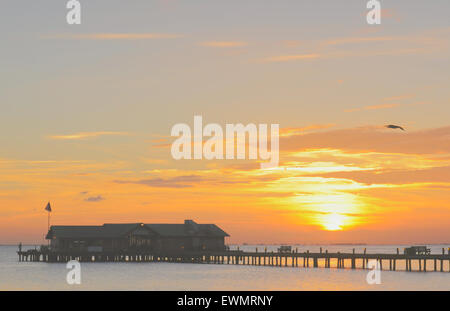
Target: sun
333	221
332	212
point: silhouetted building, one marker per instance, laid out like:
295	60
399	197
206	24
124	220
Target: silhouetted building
150	237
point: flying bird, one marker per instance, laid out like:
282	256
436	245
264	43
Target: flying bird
395	127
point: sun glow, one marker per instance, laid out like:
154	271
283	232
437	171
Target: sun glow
333	221
333	211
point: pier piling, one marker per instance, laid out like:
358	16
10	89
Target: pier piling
323	258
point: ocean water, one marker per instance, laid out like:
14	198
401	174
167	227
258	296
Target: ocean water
16	275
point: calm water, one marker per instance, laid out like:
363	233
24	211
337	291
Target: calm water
16	275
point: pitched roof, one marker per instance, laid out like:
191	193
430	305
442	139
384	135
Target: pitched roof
75	231
181	230
188	229
114	230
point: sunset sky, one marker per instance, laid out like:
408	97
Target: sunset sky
87	110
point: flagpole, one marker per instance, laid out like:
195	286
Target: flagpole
48	226
48	208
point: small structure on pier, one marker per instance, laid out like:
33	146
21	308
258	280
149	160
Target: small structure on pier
417	250
189	236
285	249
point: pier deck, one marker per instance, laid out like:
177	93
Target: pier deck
392	262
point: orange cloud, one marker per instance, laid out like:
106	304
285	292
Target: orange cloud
430	141
85	135
360	40
418	39
386	106
435	175
290	131
374	107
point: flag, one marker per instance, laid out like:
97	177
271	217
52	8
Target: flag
48	208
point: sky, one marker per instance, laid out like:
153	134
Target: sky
87	112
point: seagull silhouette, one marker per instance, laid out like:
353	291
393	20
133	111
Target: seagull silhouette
395	127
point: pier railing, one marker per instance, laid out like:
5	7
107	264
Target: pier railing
393	262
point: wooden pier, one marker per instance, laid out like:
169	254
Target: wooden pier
392	262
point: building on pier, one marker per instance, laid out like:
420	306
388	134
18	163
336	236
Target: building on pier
189	236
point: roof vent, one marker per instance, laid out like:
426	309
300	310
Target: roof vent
190	225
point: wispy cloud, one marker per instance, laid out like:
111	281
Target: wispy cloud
290	131
382	106
391	14
386	106
97	198
374	107
355	40
156	161
174	182
339	41
430	141
209	178
435	176
85	135
224	44
158	140
162	146
114	36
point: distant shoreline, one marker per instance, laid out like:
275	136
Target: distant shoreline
337	244
293	244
